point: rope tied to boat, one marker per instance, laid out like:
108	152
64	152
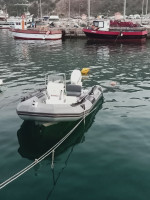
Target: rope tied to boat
52	165
38	160
119	35
84	115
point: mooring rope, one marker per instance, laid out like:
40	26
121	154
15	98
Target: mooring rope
52	165
17	175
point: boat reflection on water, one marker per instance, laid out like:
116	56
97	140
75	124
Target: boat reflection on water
35	140
109	47
24	48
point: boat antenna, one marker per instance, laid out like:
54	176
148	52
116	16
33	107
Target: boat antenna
142	7
89	4
146	6
124	11
69	13
40	9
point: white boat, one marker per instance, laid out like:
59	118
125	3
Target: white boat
20	31
3	20
35	34
5	25
59	101
3	15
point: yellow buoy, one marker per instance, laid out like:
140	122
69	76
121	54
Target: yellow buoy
85	71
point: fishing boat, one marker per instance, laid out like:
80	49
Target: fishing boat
33	34
21	31
58	101
116	31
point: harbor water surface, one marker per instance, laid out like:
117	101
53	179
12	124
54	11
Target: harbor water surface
106	158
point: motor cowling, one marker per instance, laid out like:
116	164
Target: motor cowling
76	77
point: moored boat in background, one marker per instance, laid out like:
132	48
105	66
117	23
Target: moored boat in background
116	31
20	31
5	25
3	20
35	34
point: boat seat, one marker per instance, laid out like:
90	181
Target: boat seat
73	90
55	89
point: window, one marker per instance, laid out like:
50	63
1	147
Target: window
99	24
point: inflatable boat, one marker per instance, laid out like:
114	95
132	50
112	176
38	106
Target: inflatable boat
58	101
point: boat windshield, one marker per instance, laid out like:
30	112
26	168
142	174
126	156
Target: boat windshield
99	24
96	23
56	78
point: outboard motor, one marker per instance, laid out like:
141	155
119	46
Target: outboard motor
76	77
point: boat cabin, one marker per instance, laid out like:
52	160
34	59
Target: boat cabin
54	18
19	24
3	16
101	25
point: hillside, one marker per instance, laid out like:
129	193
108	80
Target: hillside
78	7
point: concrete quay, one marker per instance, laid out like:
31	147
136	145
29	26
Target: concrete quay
73	33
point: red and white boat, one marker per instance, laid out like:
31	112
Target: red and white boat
116	31
20	31
33	34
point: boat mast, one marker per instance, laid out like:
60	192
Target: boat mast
69	12
142	7
40	9
146	6
89	4
124	11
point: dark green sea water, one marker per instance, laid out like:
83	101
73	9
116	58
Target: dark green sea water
109	157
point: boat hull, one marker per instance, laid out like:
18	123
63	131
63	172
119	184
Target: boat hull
4	27
42	117
36	35
117	36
